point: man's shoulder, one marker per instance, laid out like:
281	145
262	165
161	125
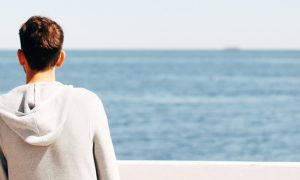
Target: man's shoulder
85	94
83	91
86	99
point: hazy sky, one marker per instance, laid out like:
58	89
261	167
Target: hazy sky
161	24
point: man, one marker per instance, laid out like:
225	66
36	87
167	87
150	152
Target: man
48	130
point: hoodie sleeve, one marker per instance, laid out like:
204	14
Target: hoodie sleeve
3	165
104	154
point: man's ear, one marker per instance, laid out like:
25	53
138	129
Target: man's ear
61	59
21	57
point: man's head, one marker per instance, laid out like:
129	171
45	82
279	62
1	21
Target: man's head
41	43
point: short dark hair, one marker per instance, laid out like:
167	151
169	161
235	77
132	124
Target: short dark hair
41	41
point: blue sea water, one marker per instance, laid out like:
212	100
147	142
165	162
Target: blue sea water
189	105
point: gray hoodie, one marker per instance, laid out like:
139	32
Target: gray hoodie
51	131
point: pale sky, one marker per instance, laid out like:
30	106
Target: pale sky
161	24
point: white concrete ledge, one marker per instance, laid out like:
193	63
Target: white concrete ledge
202	170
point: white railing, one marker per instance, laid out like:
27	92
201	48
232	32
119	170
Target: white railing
200	170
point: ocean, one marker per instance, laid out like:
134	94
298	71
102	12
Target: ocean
189	105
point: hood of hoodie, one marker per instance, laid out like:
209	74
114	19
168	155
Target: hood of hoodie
36	112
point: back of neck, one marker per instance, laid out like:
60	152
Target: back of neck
41	76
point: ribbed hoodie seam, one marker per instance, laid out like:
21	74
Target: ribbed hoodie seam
35	122
34	95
